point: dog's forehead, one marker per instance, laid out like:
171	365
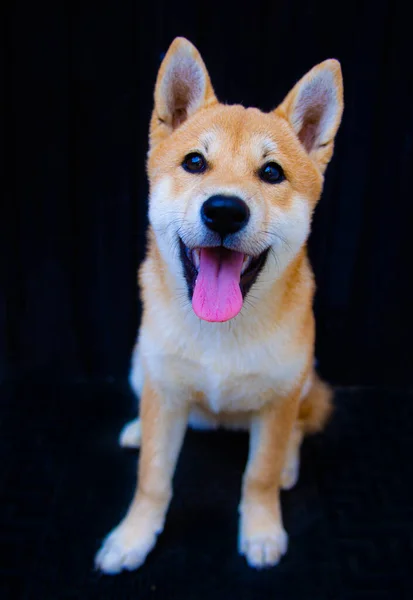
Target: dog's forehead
239	130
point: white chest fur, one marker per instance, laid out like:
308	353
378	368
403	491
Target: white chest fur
231	368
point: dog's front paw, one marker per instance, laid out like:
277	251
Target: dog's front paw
128	545
124	549
263	540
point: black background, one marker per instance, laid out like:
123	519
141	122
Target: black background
78	95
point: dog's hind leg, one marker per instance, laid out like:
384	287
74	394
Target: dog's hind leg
316	405
130	436
136	373
315	410
291	469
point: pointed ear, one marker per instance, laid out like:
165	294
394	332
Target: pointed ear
314	108
182	88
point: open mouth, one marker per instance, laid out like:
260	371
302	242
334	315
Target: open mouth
218	280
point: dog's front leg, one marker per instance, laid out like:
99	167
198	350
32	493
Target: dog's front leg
262	538
163	430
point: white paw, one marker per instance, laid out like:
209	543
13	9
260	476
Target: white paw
130	436
290	473
265	550
124	549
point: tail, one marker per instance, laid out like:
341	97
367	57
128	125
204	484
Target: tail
316	407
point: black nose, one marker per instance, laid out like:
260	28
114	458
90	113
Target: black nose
225	214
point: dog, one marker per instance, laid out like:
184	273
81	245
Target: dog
227	331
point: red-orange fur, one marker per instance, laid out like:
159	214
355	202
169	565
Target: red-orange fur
178	355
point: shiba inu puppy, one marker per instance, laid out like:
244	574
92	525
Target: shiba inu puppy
227	333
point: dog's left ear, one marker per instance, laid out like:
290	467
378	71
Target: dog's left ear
182	88
314	108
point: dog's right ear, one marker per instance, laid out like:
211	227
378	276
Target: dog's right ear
314	108
182	88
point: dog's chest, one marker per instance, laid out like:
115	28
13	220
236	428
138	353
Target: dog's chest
229	378
223	392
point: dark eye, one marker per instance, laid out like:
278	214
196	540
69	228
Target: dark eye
194	163
272	173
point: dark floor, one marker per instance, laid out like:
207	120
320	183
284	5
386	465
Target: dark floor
65	483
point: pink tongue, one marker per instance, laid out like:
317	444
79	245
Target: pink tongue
217	295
